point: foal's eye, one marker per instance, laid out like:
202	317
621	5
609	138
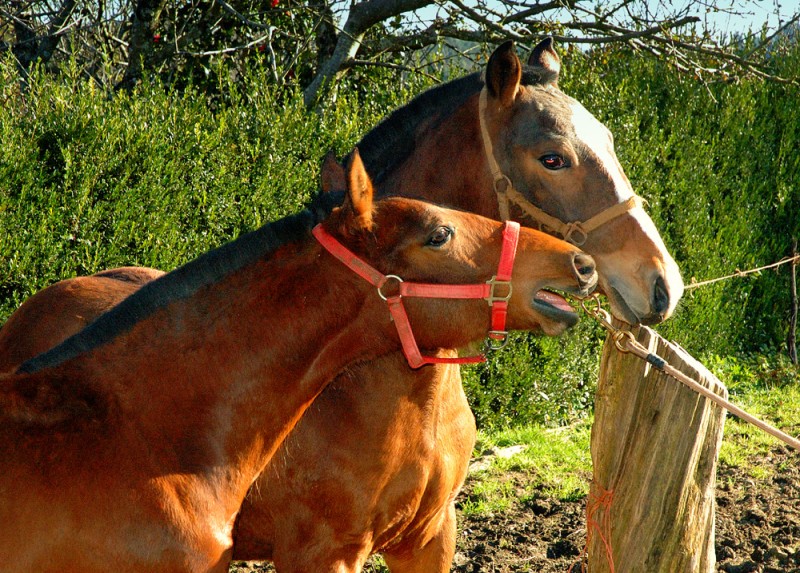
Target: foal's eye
439	237
553	161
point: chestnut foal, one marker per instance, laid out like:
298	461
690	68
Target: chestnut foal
130	446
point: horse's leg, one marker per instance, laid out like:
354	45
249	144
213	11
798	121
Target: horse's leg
306	559
435	556
336	566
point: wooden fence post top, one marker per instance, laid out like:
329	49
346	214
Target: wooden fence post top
654	449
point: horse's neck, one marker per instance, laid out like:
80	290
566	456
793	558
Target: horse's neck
232	367
464	181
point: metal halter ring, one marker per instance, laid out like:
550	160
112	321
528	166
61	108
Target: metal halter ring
496	340
503	180
387	277
618	337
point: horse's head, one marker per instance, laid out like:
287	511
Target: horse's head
423	243
560	158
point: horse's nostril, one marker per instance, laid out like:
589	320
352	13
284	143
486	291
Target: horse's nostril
660	296
584	268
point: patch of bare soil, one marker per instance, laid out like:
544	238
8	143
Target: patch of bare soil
540	535
758	527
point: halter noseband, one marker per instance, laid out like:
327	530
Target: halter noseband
498	303
575	232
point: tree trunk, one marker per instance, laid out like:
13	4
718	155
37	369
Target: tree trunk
362	16
655	445
140	43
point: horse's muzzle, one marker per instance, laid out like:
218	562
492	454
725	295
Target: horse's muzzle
585	272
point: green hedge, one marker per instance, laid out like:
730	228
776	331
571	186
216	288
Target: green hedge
90	181
720	168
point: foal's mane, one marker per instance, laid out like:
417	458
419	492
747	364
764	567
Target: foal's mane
184	281
387	145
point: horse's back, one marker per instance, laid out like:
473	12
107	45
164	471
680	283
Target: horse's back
63	309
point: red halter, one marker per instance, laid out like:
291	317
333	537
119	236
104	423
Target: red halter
497	337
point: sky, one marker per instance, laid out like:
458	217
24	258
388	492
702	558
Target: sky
752	14
756	14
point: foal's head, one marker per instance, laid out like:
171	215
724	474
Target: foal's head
421	242
562	159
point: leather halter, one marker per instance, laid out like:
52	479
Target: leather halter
498	303
575	232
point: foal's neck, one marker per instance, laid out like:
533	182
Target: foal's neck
221	376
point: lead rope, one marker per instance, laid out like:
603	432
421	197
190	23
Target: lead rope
625	342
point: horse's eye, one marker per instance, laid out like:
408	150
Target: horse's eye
553	161
439	237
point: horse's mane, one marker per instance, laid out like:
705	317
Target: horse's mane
390	142
386	146
188	279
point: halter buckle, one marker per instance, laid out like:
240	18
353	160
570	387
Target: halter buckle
571	229
492	297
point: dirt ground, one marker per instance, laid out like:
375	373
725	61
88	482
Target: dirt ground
758	527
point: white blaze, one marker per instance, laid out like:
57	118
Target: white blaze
597	140
596	137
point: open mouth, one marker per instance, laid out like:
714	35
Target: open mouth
555	307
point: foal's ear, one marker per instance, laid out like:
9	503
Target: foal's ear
546	59
503	74
332	174
358	202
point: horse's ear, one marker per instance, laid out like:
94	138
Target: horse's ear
332	174
545	58
503	74
358	202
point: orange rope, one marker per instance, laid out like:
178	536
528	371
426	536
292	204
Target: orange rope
602	528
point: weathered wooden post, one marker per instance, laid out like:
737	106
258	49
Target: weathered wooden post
791	338
654	449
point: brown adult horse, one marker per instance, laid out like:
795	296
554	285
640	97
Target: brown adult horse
130	446
60	310
387	480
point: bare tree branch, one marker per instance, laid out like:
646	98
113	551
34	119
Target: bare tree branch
30	47
362	17
316	41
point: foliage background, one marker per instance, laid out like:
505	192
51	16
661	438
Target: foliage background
92	179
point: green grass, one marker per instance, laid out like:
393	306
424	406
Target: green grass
555	462
771	393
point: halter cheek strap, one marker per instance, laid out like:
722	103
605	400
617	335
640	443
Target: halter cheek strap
496	291
575	232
